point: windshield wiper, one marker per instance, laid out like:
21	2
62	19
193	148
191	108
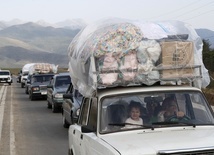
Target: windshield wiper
174	123
123	125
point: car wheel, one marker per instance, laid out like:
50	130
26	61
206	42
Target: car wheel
22	85
9	83
70	152
64	121
54	108
49	105
31	97
26	91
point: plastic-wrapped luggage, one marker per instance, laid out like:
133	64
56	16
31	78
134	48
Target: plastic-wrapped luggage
119	52
42	68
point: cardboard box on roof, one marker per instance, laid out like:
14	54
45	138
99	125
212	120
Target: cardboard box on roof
177	55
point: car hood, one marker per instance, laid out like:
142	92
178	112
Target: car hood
61	89
152	141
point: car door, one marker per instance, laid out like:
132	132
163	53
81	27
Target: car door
75	133
50	90
67	104
88	140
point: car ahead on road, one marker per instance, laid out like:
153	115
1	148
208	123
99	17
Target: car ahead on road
38	86
71	106
5	77
55	90
27	84
18	79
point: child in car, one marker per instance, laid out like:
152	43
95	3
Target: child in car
134	119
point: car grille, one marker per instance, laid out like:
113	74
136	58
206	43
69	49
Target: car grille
43	87
3	79
188	152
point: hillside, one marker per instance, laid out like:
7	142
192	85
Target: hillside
207	35
55	40
12	57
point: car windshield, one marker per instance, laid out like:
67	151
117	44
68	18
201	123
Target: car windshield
154	110
4	73
63	81
44	78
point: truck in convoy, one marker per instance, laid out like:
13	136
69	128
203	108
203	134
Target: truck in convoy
40	76
141	85
24	73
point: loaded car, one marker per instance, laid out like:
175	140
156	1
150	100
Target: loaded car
24	73
38	86
55	90
71	106
5	77
27	83
141	84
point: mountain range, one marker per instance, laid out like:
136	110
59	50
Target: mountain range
26	42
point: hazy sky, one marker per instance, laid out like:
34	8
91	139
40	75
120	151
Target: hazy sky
198	13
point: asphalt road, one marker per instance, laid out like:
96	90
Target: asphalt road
29	127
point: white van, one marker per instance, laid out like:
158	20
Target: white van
5	77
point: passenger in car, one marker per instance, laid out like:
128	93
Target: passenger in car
134	119
169	110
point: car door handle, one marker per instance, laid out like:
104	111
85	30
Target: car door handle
81	136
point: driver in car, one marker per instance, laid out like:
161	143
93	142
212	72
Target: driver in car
170	111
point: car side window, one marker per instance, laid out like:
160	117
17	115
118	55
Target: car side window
84	112
52	81
92	120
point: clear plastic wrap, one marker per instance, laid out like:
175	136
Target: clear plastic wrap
118	52
25	68
42	68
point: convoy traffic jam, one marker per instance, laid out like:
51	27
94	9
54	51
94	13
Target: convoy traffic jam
135	89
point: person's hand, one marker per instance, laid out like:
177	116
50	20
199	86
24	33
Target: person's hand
180	114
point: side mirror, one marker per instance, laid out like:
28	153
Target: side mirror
49	86
87	129
68	96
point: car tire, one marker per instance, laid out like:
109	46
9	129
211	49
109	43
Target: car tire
9	83
54	108
49	105
26	91
65	122
70	152
22	85
31	97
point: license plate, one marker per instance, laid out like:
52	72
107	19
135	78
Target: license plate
43	93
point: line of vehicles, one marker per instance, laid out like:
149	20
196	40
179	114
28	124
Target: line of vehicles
127	70
41	81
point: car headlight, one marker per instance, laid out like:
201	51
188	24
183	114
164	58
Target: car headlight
58	95
78	112
35	88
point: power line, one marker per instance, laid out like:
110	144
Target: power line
194	9
168	13
198	15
